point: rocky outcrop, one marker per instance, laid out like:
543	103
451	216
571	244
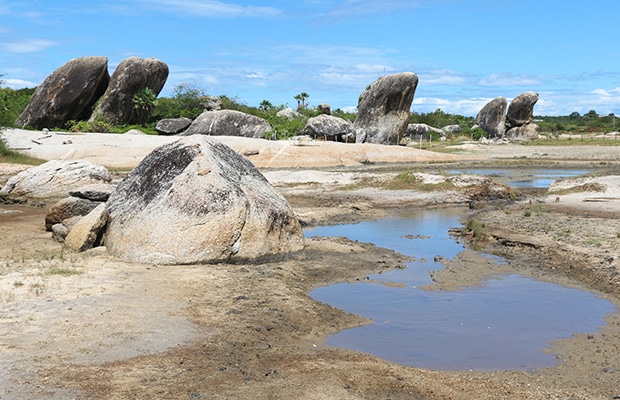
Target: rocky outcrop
55	179
521	109
228	123
132	75
327	127
172	126
211	103
197	201
383	109
492	118
67	94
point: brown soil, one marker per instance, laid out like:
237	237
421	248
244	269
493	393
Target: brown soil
89	326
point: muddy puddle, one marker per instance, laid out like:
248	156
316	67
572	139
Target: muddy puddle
525	178
507	322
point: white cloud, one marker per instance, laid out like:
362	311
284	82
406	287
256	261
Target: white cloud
510	79
27	46
212	8
364	7
18	83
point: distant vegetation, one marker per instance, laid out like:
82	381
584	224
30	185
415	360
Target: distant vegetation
188	98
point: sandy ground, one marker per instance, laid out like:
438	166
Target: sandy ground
89	326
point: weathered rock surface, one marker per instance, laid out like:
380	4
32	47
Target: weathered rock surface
212	103
328	127
324	109
130	77
415	131
525	132
88	230
452	129
67	208
197	201
521	109
383	109
94	192
172	126
55	179
289	113
67	94
228	123
492	117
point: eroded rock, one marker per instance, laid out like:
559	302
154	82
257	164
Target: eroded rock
67	94
228	123
55	179
328	127
383	109
197	201
492	117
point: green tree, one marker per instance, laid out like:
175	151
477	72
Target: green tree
265	105
144	103
301	100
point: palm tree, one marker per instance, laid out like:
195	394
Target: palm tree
265	105
301	100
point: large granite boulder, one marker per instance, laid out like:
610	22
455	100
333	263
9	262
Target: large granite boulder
228	123
383	109
492	117
55	179
417	131
521	109
524	132
67	94
132	76
197	201
332	128
172	126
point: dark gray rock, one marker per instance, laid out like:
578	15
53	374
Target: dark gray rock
94	192
331	128
67	94
521	109
67	208
324	109
197	201
172	126
228	123
384	108
492	118
130	77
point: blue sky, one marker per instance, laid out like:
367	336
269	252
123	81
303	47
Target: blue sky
465	52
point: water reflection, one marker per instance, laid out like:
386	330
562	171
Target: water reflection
504	325
523	178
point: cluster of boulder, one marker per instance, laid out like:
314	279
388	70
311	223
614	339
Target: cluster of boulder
71	92
190	201
82	89
516	123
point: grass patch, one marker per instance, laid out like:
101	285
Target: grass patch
586	187
408	181
64	271
475	230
